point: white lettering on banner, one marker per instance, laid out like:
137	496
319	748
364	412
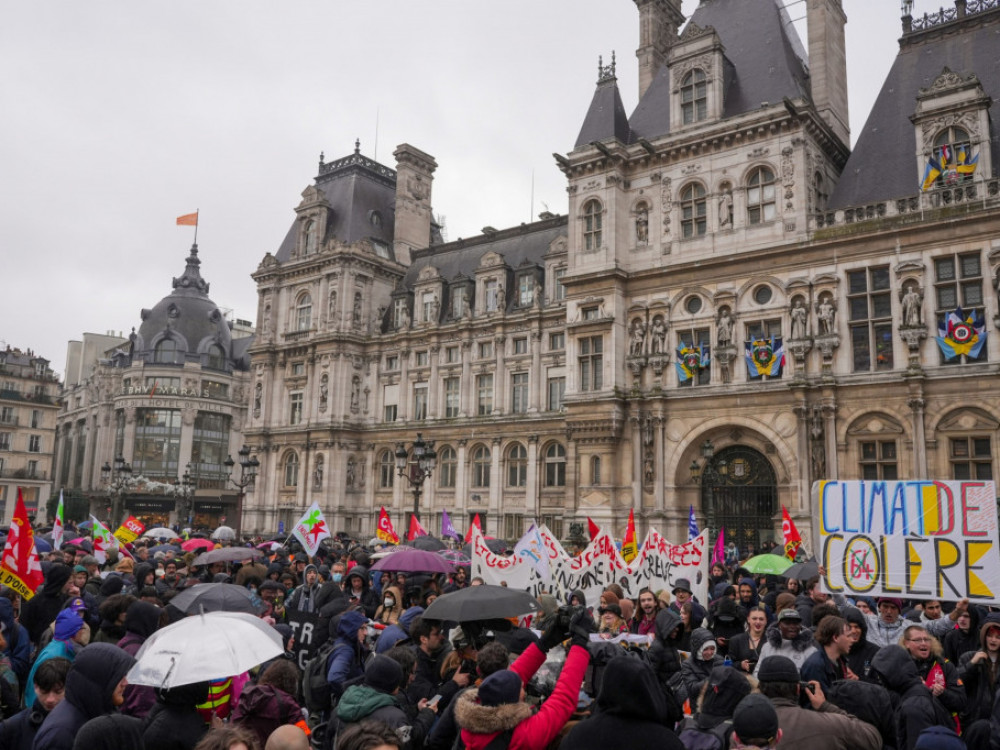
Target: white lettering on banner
657	566
917	539
304	631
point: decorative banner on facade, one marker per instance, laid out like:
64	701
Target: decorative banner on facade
961	333
658	565
765	357
919	539
129	531
312	529
308	634
691	359
20	568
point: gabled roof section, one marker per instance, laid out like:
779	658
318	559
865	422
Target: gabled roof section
883	164
766	62
606	118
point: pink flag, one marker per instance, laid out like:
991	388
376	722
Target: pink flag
719	551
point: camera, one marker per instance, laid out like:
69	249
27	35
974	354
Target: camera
808	686
468	667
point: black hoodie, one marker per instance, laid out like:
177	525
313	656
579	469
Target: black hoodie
916	708
663	654
862	652
42	609
368	598
174	723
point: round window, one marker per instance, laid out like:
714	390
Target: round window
762	295
693	304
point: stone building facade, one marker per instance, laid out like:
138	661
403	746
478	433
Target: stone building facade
735	304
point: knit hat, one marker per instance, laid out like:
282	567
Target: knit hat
755	718
706	644
88	560
726	688
499	688
79	568
897	603
384	674
777	668
939	738
68	624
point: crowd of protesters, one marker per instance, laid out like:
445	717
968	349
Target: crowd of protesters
764	662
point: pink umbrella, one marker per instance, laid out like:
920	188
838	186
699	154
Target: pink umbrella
195	544
269	546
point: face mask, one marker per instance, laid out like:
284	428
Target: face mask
388	603
337	577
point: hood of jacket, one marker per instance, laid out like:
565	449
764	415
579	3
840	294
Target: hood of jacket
266	701
55	579
96	672
7	615
723	690
643	700
719	589
142	618
802	641
991	621
141	571
726	607
349	625
184	696
479	719
406	619
358	571
755	598
699	637
667	622
578	593
896	669
397	597
855	616
359	701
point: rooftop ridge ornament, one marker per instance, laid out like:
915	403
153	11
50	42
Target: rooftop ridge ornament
606	73
191	278
962	9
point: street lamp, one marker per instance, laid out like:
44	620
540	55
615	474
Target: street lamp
118	479
185	487
248	472
717	471
420	466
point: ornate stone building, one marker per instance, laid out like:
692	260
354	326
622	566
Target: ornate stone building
734	305
170	399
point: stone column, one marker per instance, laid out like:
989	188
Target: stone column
500	378
830	429
468	392
402	410
496	478
532	501
537	382
802	447
636	462
434	386
658	487
461	479
572	473
917	406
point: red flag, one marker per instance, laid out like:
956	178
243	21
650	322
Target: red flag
19	567
415	529
188	220
385	532
592	528
792	539
629	547
476	524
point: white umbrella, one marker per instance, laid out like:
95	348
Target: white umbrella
210	646
161	532
224	532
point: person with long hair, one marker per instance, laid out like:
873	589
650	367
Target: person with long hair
744	649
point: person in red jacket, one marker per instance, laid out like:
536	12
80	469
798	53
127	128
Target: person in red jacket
497	707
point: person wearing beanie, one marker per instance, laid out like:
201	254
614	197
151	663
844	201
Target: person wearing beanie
788	638
755	724
939	738
71	634
826	727
497	708
979	672
704	657
719	696
174	721
375	700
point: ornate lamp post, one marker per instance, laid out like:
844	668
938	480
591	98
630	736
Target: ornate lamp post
248	472
719	470
118	479
417	469
185	487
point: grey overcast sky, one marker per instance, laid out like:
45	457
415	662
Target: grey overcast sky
121	116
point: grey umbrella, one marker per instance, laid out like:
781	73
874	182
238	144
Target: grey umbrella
481	603
227	554
217	597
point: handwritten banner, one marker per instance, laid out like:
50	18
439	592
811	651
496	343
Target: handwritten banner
308	633
919	539
657	566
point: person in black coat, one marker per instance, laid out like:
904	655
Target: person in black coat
859	658
41	610
696	670
631	711
18	732
174	723
359	592
979	672
965	637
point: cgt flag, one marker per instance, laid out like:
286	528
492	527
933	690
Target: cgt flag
629	547
385	532
415	529
312	529
19	567
792	539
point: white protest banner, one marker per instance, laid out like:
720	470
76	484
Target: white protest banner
660	563
918	539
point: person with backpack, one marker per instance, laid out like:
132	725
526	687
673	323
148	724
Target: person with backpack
711	726
339	661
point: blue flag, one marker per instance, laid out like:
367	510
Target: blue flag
692	525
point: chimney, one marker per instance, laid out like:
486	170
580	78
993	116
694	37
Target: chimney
659	21
414	174
828	64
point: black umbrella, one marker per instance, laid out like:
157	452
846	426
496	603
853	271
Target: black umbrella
802	571
428	543
481	603
227	554
216	597
497	546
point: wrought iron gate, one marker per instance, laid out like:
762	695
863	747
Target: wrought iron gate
739	493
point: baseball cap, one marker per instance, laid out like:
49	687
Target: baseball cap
755	718
789	614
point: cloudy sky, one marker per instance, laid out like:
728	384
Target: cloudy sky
119	117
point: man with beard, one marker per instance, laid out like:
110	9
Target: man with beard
787	638
829	663
644	621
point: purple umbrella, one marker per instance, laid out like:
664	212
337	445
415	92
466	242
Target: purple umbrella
414	561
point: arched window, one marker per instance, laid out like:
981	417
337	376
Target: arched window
481	466
309	238
595	470
165	351
592	223
952	151
694	96
555	466
216	358
447	467
760	196
303	312
819	191
693	210
292	470
517	466
386	469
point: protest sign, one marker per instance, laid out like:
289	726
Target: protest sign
917	539
308	638
130	530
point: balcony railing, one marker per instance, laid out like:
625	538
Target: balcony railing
23	474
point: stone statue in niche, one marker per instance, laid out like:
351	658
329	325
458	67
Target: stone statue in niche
379	317
257	393
659	337
642	225
404	317
724	327
827	314
357	308
912	303
435	310
637	343
538	294
355	393
266	324
332	310
324	391
318	473
726	208
501	298
800	319
351	475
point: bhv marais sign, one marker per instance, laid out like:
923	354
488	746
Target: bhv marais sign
917	539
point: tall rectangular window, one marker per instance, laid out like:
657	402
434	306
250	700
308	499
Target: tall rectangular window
36	419
484	397
390	401
971	457
7	415
389	413
878	460
400	312
559	293
451	354
694	355
209	449
4	441
591	363
34	443
427	301
958	282
33	470
157	446
485	349
423	358
295	403
452	397
870	312
557	341
525	290
491	295
521	345
420	401
519	392
458	302
557	393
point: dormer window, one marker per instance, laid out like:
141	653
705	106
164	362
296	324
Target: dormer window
458	302
592	225
953	153
525	290
309	238
694	96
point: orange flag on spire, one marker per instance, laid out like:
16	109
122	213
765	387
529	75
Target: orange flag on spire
19	567
188	220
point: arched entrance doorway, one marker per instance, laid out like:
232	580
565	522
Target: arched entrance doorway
739	493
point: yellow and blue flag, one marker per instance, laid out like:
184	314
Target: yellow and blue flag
931	173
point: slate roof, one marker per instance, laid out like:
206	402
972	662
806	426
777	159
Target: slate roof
883	165
766	62
606	118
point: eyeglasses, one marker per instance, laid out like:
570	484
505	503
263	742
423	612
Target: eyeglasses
919	640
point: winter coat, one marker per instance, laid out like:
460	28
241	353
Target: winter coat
90	685
663	654
55	650
398	632
428	681
980	681
862	652
804	606
957	642
365	702
141	621
174	722
883	634
632	717
18	732
916	708
390	616
726	623
829	728
481	724
740	650
111	732
368	599
695	671
41	610
18	641
264	708
798	650
313	598
345	661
